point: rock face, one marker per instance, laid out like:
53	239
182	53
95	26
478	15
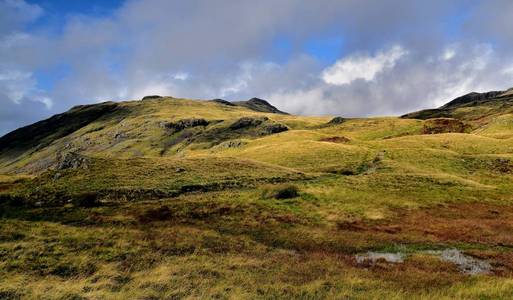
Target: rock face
186	123
190	131
74	160
275	128
248	122
443	125
263	125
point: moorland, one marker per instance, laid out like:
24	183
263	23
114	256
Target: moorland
167	198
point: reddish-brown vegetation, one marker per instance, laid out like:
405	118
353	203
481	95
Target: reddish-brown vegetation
335	139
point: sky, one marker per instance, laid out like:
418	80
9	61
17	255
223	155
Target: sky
327	57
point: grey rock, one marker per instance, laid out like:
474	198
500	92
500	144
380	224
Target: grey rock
246	122
74	160
186	123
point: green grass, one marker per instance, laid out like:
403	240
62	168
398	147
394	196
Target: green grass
201	220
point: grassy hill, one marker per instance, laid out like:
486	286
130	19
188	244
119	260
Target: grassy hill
479	110
178	198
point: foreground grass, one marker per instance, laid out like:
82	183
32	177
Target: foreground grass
242	244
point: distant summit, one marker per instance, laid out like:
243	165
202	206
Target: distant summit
471	106
256	104
260	105
472	98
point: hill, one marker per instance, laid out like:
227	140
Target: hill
179	198
129	129
477	108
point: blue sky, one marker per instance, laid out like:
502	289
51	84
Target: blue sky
56	9
337	57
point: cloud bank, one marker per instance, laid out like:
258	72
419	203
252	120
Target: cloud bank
395	55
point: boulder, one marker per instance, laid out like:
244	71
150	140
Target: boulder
275	128
73	160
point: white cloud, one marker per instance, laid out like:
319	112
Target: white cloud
363	67
508	70
47	101
16	85
181	76
415	83
449	53
158	88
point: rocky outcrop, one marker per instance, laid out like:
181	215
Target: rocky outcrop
73	160
246	122
186	123
275	128
231	144
336	121
262	125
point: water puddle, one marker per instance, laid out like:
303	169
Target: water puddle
373	257
465	263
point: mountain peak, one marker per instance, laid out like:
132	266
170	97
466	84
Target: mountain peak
260	105
470	106
256	104
472	97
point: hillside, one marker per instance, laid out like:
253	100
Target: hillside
127	129
489	112
178	198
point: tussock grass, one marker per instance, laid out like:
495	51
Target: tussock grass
284	191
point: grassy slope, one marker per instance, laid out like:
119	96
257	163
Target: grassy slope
231	241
